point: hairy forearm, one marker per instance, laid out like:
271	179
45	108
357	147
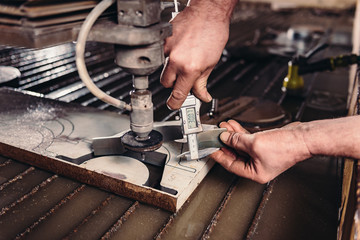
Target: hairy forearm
335	137
218	9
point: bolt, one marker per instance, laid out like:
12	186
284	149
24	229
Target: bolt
139	13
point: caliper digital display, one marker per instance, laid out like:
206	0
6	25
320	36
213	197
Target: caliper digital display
191	118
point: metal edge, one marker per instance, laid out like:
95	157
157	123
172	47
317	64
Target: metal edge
143	194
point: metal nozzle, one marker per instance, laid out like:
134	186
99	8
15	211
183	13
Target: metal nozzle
141	116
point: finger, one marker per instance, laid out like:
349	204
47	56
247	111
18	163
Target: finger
182	87
223	157
291	125
238	151
237	127
232	164
168	74
167	45
229	152
227	126
199	89
235	140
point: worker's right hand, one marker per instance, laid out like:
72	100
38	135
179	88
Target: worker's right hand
263	155
195	47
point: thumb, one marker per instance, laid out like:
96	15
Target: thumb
224	137
233	139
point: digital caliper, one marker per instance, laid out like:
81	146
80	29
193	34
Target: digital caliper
191	125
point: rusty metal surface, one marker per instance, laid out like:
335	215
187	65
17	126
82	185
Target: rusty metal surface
41	23
38	24
280	203
301	203
36	9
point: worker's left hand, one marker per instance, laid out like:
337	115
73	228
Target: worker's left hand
263	155
193	50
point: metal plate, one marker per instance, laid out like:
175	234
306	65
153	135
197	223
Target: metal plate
35	9
57	136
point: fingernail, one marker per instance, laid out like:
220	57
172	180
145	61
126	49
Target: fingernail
209	97
224	136
169	107
221	124
167	104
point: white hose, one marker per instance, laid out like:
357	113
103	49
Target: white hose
176	6
80	61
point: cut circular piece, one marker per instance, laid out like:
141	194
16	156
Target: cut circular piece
120	167
263	115
8	74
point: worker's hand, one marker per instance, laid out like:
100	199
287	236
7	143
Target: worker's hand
195	47
261	156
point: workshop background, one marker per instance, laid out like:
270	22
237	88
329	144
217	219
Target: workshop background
305	202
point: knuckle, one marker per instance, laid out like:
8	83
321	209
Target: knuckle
231	121
228	167
190	67
176	59
166	83
178	95
256	145
234	139
193	67
262	180
200	86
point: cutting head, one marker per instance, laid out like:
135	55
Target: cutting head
133	143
